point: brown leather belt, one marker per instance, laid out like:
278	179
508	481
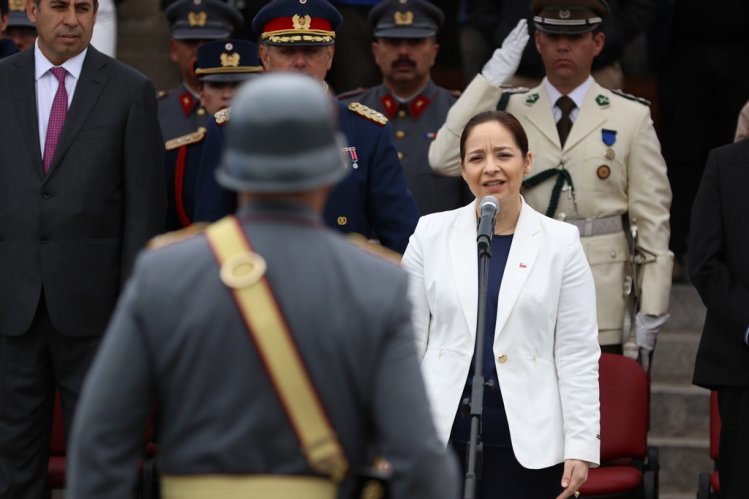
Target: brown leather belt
597	226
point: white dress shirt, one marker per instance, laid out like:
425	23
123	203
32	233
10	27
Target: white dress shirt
577	95
46	86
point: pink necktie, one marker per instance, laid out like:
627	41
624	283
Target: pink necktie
56	118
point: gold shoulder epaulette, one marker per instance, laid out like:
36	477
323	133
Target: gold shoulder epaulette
631	97
190	138
222	117
374	248
368	112
177	236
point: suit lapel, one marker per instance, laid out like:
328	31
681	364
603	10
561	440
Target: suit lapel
23	89
464	263
538	113
523	253
590	119
92	81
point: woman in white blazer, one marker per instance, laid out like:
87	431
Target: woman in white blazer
541	416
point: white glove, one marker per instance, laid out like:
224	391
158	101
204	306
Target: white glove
505	60
646	333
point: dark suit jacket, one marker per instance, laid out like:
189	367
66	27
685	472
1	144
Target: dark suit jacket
719	267
74	233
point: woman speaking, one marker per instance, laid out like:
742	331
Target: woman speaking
540	412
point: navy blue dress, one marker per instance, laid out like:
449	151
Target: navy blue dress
502	476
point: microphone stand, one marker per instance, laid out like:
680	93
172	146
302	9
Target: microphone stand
475	450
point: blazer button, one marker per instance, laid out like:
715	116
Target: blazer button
43	240
46	195
502	358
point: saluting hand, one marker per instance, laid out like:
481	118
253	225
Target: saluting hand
506	59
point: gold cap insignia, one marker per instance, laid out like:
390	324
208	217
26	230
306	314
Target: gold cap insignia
17	5
197	18
403	18
564	14
301	22
230	60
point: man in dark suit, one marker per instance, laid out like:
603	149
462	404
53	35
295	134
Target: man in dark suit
719	268
179	338
81	190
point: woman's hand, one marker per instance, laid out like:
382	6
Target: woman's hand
575	474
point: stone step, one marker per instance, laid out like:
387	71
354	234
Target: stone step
674	356
681	461
686	309
678	410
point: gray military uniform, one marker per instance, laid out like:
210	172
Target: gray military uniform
415	124
177	340
180	113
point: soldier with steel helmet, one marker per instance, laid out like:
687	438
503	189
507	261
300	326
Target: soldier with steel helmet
278	353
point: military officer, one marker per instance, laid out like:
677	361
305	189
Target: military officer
220	67
373	199
222	362
19	28
193	23
405	50
599	162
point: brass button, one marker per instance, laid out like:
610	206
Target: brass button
502	359
613	254
401	114
400	155
342	220
400	134
201	111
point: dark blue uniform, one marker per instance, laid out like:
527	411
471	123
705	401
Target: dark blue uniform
7	47
182	161
372	200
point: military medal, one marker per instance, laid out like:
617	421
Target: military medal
354	157
609	138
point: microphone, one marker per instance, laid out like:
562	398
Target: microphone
488	210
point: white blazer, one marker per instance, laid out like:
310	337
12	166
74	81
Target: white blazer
546	338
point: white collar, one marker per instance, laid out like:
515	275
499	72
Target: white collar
73	66
577	95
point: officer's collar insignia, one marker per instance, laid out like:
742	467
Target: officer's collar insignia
230	60
602	100
197	18
418	105
532	98
186	100
223	116
403	18
389	104
368	112
608	137
301	22
17	5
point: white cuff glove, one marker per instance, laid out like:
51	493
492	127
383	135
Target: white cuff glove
505	60
646	333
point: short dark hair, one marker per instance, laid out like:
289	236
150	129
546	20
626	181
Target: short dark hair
506	120
3	7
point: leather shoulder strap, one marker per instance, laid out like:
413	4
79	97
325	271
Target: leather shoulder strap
243	271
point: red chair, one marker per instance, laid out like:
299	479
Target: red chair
56	465
629	469
708	486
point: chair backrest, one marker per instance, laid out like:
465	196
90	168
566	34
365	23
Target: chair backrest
57	444
624	408
714	426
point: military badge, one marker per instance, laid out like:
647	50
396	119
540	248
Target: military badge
351	151
403	18
609	138
602	100
532	99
